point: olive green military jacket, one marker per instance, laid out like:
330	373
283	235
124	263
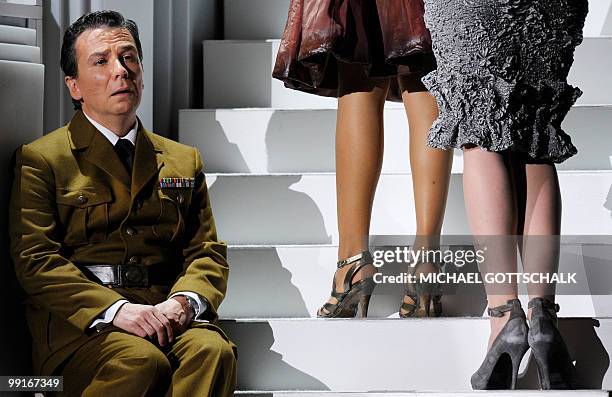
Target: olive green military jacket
73	204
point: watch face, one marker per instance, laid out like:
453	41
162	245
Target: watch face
193	305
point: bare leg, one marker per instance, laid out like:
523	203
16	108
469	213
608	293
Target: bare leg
430	167
359	150
430	174
491	210
542	225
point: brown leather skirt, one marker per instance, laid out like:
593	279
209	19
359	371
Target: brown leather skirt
387	37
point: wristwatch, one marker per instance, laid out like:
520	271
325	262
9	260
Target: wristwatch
188	304
191	305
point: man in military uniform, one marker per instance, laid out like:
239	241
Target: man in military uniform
113	238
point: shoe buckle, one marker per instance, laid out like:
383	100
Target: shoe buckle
365	255
499	311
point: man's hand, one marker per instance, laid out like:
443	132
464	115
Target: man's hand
174	309
145	320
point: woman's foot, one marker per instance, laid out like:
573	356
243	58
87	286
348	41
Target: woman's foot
556	369
498	319
499	369
352	287
497	324
421	298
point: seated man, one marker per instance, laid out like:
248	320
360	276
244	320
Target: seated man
113	238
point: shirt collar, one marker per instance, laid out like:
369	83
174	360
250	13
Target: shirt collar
110	135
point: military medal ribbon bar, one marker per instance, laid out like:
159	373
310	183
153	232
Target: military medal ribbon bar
176	182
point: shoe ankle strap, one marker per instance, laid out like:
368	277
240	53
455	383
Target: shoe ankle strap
364	255
546	304
498	311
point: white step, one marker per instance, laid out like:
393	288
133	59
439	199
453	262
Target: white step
505	393
591	70
301	276
271	140
244	21
267	20
394	354
227	85
599	19
301	208
19	53
17	35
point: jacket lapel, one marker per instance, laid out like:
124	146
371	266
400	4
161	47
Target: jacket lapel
93	147
145	161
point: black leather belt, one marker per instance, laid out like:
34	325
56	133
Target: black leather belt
120	276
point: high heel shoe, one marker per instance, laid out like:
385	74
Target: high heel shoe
427	302
499	370
555	367
355	299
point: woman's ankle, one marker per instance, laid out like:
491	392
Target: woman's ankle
348	251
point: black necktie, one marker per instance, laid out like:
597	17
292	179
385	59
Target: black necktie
125	151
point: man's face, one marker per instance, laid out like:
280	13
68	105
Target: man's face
109	73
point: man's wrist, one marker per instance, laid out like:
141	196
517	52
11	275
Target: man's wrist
187	304
107	317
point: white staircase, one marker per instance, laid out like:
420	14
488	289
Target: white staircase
385	354
269	157
522	393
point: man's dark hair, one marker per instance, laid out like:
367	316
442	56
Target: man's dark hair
93	20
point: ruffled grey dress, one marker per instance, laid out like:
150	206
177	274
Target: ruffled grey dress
501	81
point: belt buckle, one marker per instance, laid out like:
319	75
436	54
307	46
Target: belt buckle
103	274
133	276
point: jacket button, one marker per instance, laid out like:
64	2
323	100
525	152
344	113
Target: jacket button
133	260
81	199
130	231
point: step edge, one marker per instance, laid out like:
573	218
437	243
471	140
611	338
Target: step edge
251	320
330	174
398	108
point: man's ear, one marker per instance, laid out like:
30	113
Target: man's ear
73	88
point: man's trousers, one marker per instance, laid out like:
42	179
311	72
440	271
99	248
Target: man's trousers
200	362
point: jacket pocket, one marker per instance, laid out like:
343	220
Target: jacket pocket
170	224
84	214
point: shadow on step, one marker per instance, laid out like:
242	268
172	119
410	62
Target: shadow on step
266	210
297	141
264	287
218	153
253	355
586	348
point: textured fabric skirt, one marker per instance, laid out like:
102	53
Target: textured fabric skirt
501	81
387	37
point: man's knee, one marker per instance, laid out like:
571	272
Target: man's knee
126	364
141	358
207	344
154	364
